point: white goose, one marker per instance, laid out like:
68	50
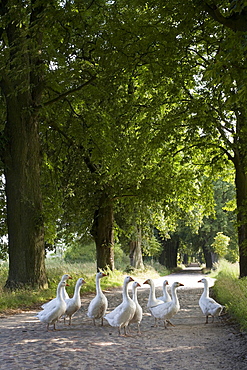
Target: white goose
166	296
122	314
51	304
137	318
167	310
98	306
51	316
152	300
208	305
74	304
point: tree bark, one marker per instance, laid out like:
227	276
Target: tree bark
102	232
22	86
135	254
24	204
207	255
241	194
168	257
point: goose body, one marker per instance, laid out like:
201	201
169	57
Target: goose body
152	300
51	304
208	305
74	304
51	316
137	318
166	296
122	314
98	306
167	310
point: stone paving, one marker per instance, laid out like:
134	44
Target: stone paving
25	343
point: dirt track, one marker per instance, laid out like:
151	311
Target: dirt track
25	343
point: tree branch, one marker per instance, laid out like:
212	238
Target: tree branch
91	166
66	93
236	21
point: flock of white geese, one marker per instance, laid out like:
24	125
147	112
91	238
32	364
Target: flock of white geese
129	311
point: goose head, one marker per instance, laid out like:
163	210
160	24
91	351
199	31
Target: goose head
203	280
128	279
63	284
148	281
136	284
101	274
81	281
66	277
177	284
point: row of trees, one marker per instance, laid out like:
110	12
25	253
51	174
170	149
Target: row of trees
117	111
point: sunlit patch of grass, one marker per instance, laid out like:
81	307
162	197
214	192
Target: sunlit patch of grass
226	268
232	292
23	299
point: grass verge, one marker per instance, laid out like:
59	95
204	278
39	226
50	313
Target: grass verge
232	292
26	299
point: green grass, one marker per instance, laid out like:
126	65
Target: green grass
232	292
25	299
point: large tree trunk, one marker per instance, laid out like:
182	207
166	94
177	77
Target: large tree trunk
22	86
102	232
241	194
207	255
169	254
24	205
135	254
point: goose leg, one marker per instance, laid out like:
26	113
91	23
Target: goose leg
138	329
170	323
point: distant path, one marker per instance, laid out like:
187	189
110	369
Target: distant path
25	344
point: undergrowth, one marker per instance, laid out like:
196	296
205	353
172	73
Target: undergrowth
232	292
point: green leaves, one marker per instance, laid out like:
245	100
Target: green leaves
220	244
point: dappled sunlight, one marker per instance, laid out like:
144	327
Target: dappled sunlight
105	344
176	349
25	341
187	342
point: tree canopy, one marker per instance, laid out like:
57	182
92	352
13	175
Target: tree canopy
135	103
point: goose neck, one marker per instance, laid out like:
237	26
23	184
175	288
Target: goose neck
59	292
134	295
98	288
152	291
165	289
206	289
174	294
77	288
125	291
